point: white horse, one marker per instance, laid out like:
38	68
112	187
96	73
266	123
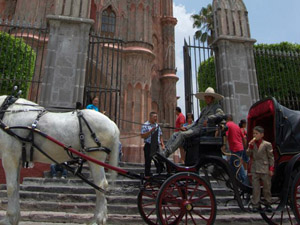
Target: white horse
63	127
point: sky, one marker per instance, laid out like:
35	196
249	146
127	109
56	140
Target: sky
271	21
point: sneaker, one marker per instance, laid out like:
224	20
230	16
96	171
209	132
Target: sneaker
63	177
54	177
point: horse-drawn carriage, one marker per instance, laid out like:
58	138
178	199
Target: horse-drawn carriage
181	194
185	196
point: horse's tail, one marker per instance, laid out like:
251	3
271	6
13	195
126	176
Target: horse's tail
114	155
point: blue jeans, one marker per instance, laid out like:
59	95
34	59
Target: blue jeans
57	167
235	163
245	157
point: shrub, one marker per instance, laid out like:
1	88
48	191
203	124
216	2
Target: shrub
17	64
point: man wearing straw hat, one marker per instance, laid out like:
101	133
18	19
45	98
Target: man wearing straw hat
209	113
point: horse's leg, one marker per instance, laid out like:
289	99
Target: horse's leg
11	165
98	173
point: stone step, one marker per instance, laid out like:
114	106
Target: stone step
70	201
78	182
85	193
74	182
114	207
80	203
59	218
91	198
86	171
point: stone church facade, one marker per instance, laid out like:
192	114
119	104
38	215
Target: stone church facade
148	55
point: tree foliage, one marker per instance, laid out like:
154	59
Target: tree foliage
17	64
204	22
277	70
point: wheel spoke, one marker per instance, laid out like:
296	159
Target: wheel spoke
147	203
200	197
191	215
194	191
182	198
200	215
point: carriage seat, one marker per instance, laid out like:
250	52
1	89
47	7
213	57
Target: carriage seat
200	146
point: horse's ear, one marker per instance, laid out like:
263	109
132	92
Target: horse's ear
15	92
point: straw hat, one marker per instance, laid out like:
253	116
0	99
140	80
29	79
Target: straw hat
209	92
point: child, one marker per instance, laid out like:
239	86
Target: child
262	168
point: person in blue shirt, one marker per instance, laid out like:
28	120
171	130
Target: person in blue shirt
95	102
148	129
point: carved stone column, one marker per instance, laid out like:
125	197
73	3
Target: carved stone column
64	79
168	74
233	46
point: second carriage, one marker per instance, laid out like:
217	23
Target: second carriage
185	195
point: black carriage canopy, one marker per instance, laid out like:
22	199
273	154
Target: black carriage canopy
282	125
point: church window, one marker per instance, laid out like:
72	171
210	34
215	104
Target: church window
108	26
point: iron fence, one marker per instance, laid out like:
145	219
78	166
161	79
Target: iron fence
195	54
22	52
278	74
103	76
277	71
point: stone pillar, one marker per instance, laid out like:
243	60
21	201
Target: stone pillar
64	78
235	67
168	73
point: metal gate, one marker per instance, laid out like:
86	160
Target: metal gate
195	54
278	74
103	74
22	53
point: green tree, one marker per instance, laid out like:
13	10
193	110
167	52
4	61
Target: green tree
17	64
204	22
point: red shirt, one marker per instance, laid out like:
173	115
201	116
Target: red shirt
235	137
244	132
180	120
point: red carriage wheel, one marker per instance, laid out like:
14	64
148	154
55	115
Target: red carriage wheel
185	198
295	197
147	202
281	217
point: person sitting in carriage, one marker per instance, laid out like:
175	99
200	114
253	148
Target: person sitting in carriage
207	118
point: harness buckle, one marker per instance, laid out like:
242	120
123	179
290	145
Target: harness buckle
81	136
